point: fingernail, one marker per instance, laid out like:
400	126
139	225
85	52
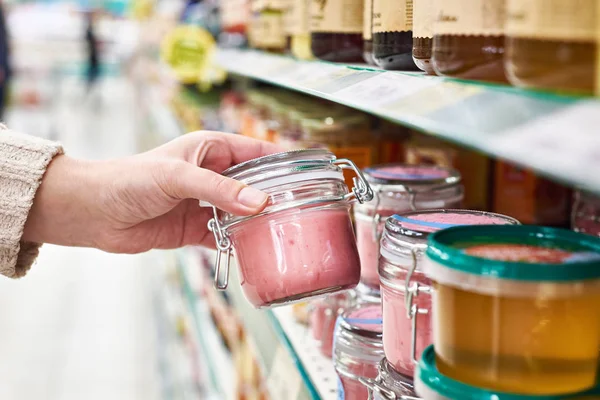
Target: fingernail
251	197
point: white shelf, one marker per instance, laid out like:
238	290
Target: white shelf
555	135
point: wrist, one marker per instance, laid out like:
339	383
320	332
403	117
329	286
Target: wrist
62	204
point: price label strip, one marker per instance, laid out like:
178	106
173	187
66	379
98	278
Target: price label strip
284	381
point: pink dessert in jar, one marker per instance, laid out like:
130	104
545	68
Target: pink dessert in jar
405	289
358	349
302	245
324	315
399	188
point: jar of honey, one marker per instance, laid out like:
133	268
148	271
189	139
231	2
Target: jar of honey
515	308
423	20
468	39
392	34
551	44
431	384
368	32
336	28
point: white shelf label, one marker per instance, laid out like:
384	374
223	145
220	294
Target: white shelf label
284	380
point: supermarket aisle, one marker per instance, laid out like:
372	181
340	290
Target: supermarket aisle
80	325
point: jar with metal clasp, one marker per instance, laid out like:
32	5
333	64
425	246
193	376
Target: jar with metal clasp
302	244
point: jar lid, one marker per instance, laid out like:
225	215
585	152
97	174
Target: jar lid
415	177
509	252
287	167
431	384
358	332
410	230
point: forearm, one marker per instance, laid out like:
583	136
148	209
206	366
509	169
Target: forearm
23	162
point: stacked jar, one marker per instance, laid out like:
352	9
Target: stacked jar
399	188
405	288
515	308
358	349
468	39
305	233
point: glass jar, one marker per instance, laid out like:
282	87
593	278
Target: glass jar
267	30
399	188
323	317
297	28
551	44
468	39
431	384
424	16
405	289
306	241
368	33
530	198
392	34
585	217
357	349
336	28
515	308
389	385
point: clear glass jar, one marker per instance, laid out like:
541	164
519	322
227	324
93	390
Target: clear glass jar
405	289
515	308
389	384
323	317
424	16
336	28
392	34
468	39
399	188
357	349
305	236
551	44
585	217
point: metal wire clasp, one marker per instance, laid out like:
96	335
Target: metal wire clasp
223	244
362	190
374	386
412	290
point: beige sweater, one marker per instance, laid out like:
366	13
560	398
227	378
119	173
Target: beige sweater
23	161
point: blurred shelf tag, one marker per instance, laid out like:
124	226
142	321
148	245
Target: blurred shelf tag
284	381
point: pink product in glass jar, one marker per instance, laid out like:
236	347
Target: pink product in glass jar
400	188
302	245
585	217
357	349
325	313
405	289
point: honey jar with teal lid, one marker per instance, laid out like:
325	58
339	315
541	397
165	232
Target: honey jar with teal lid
516	308
431	384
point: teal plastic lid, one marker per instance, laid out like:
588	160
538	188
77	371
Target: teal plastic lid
580	253
427	377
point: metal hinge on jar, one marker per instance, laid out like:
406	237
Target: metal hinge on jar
375	386
412	290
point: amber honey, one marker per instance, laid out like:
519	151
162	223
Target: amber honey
551	44
528	345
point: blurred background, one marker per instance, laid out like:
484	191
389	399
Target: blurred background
116	77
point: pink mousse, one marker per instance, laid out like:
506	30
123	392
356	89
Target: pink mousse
353	389
296	254
368	247
397	328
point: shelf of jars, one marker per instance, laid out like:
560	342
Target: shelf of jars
287	356
502	121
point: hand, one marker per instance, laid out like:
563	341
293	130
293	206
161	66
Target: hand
145	201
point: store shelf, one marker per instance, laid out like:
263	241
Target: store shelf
555	135
216	358
288	355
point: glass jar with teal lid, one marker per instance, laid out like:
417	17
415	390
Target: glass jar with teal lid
431	384
516	308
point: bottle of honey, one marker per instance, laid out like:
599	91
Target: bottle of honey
468	39
551	44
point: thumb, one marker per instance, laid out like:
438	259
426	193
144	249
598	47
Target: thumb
187	181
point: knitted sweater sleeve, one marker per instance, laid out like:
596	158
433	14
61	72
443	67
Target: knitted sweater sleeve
23	162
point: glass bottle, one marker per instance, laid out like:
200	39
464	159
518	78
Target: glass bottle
392	34
551	44
368	32
336	28
468	39
297	27
423	21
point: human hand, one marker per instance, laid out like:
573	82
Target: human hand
146	201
